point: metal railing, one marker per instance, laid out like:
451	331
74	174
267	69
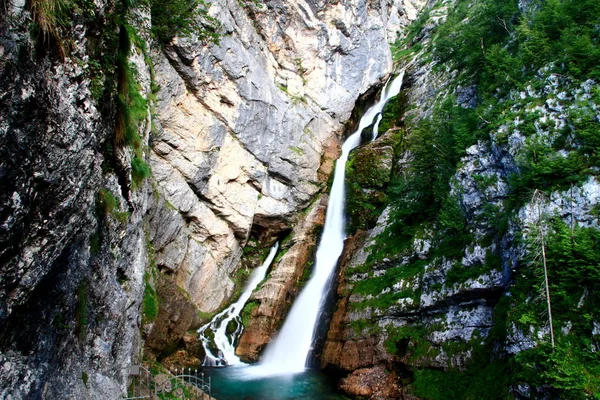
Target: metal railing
185	384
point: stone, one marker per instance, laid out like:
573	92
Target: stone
372	383
274	296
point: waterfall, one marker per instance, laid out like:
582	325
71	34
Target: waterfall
224	343
289	351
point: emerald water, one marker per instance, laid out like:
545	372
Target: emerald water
233	383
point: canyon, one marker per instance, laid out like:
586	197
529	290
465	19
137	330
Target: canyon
143	178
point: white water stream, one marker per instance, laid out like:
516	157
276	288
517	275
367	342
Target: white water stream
289	351
218	325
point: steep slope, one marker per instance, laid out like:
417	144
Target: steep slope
72	245
494	180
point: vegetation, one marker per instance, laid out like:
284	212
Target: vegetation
150	302
247	311
49	16
367	179
518	61
108	204
183	18
113	77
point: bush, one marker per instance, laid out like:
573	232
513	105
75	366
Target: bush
182	17
150	304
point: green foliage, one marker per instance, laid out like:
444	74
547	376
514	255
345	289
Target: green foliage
566	34
49	16
459	273
392	113
95	242
183	18
375	285
474	36
500	48
132	107
483	381
108	204
494	46
247	311
365	185
149	303
421	196
140	170
573	261
84	377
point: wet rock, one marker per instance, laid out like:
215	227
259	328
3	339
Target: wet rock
275	295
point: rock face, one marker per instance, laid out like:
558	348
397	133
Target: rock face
72	246
270	303
413	299
247	131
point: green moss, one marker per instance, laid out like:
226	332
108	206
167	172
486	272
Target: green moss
247	311
84	377
95	242
367	178
460	274
407	339
393	113
108	204
149	304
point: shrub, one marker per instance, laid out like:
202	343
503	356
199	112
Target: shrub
182	17
150	304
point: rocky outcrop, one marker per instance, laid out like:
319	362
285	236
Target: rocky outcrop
269	304
426	298
373	383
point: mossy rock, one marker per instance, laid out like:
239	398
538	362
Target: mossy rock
368	172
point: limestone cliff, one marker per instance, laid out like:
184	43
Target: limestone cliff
247	131
72	244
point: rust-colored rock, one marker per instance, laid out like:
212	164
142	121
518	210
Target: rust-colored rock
181	359
276	295
373	383
344	349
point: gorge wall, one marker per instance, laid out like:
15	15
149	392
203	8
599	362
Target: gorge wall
459	207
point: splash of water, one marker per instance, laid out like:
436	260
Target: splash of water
223	343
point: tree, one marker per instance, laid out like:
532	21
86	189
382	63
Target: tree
539	248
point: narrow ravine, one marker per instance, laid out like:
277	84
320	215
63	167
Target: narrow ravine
223	343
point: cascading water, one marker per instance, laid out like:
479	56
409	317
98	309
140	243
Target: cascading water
223	343
289	352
